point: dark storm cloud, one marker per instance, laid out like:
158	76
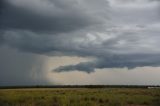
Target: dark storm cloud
57	18
116	33
46	26
1	38
130	61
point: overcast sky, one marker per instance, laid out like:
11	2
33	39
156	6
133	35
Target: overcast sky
79	42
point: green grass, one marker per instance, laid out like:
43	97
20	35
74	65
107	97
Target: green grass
80	97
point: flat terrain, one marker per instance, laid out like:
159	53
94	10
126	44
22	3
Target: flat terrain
80	97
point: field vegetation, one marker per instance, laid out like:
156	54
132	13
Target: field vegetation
80	97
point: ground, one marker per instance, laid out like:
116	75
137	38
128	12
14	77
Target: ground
80	97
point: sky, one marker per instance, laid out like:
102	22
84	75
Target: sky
79	42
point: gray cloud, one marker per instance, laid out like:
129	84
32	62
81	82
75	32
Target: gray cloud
130	61
115	34
45	16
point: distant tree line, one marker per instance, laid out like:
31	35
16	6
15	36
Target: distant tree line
81	86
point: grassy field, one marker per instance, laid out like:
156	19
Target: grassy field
80	97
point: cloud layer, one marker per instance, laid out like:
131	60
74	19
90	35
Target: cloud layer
110	31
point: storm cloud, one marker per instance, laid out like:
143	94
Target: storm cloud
119	61
56	16
110	31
